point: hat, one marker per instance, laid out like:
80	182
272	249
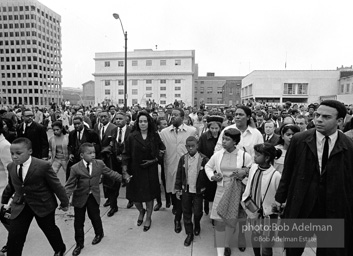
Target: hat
215	118
312	106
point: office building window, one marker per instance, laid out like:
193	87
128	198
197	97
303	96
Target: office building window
134	101
134	82
121	101
148	81
163	88
209	90
120	82
163	81
342	88
134	92
293	88
219	101
107	92
163	62
163	95
134	63
177	81
148	62
209	100
202	89
177	62
347	88
177	95
149	88
120	92
107	82
219	90
120	63
162	102
177	88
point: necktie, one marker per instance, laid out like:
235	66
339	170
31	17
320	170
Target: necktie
88	168
325	154
267	138
79	135
119	136
20	175
102	132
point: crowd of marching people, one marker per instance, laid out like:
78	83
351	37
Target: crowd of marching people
248	162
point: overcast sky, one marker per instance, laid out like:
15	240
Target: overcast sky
230	37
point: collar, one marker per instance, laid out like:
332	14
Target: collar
28	162
2	137
106	126
82	131
181	127
85	163
194	156
333	137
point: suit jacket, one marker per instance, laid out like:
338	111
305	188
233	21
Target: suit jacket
302	183
181	182
105	140
38	190
274	139
119	148
37	134
81	183
88	136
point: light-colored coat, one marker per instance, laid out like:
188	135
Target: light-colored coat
5	159
175	148
52	147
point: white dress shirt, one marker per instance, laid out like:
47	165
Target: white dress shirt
320	142
90	166
25	167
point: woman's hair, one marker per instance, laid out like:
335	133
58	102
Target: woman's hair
294	128
190	122
269	150
60	125
247	112
151	125
218	123
233	133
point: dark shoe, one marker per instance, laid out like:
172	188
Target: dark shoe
112	211
227	251
129	205
61	253
157	207
174	210
107	203
167	205
242	249
189	239
177	226
197	231
146	228
4	249
140	220
97	239
77	250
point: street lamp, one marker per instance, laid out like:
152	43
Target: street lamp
116	16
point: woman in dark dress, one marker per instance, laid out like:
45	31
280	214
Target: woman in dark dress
207	143
140	166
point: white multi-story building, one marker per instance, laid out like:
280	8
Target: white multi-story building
30	53
299	86
160	75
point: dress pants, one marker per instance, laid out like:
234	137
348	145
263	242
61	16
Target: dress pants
177	206
19	229
93	212
191	203
113	194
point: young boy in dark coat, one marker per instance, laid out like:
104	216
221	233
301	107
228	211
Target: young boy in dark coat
190	184
84	184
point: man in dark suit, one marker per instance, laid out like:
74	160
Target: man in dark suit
77	137
317	178
105	133
269	135
36	133
34	185
84	182
119	137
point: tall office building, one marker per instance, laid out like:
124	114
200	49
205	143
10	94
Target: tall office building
30	53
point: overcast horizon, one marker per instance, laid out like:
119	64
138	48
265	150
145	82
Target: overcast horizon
230	38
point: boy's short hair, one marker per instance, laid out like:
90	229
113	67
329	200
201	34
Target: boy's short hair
191	138
84	146
23	140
